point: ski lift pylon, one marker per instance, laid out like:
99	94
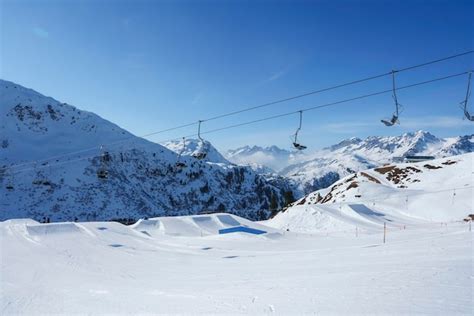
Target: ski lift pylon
465	102
296	144
201	153
102	172
394	119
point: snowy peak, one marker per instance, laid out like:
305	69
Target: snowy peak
271	157
31	120
345	143
406	144
249	150
192	146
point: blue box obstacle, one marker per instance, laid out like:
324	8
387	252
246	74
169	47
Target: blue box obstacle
241	229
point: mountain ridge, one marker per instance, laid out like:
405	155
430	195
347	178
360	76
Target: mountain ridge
319	169
142	177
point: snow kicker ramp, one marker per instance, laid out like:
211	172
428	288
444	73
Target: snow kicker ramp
52	229
202	225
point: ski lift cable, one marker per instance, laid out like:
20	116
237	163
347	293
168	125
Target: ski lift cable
98	147
330	104
251	108
339	86
276	116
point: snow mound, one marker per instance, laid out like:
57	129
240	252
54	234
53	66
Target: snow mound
52	229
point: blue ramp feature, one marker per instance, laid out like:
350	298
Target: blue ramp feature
241	229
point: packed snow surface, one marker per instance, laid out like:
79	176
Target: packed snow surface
181	265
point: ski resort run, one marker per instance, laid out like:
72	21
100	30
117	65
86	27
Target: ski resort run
182	265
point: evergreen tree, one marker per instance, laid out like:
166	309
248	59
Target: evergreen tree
289	198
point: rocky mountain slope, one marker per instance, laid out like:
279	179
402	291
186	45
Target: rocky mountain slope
142	179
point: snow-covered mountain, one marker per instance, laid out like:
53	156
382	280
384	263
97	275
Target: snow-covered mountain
437	190
143	179
271	157
192	146
319	169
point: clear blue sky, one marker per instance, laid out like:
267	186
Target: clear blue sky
150	65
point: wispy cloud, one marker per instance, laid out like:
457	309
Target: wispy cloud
40	32
276	76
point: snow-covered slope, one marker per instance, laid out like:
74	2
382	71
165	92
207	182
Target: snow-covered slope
180	266
142	178
318	169
438	190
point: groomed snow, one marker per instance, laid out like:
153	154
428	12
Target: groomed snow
181	265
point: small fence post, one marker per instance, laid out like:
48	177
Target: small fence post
357	232
470	225
384	231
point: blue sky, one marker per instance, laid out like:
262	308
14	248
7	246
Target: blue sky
150	65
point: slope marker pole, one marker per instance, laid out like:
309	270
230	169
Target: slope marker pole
384	231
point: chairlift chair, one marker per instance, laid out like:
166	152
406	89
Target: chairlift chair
102	172
201	153
10	181
394	120
296	144
179	164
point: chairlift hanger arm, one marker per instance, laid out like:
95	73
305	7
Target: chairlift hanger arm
199	130
394	89
299	126
468	91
